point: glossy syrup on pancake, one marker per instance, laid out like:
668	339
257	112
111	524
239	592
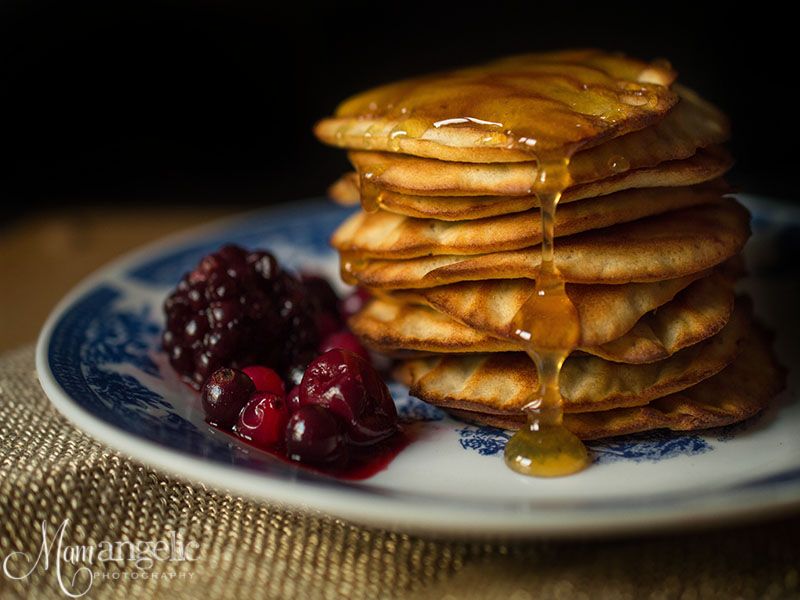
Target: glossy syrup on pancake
371	194
554	100
350	262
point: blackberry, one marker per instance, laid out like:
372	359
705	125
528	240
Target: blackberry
239	308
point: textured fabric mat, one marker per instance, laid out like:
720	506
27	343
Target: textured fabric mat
50	472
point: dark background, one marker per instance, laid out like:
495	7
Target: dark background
213	102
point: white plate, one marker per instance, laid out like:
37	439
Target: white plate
99	360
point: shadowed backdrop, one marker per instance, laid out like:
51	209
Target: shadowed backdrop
213	102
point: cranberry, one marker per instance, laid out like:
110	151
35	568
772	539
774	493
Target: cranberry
224	395
263	419
315	435
350	387
345	340
265	379
293	399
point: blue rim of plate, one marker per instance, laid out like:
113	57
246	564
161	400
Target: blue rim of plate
163	440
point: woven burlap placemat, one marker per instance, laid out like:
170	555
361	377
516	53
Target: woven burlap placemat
112	514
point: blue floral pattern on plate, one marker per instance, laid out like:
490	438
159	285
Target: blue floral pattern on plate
651	446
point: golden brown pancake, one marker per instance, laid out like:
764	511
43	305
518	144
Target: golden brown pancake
693	124
706	165
383	234
696	313
605	312
393	328
738	392
500	111
656	248
503	382
345	190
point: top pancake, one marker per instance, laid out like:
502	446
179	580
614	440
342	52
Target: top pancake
508	109
693	124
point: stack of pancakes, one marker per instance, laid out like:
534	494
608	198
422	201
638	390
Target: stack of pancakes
648	238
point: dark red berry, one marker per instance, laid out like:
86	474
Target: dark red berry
328	319
265	265
320	289
351	388
345	340
235	309
315	435
263	420
293	399
224	395
266	380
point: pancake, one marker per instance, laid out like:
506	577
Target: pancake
345	190
605	312
383	234
503	382
704	165
554	102
395	328
738	392
665	246
693	124
696	313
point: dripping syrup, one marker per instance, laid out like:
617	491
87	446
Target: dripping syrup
371	194
371	202
549	327
349	264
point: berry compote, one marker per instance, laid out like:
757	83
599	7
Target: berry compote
243	332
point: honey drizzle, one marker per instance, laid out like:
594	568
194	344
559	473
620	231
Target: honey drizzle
549	327
349	264
371	192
